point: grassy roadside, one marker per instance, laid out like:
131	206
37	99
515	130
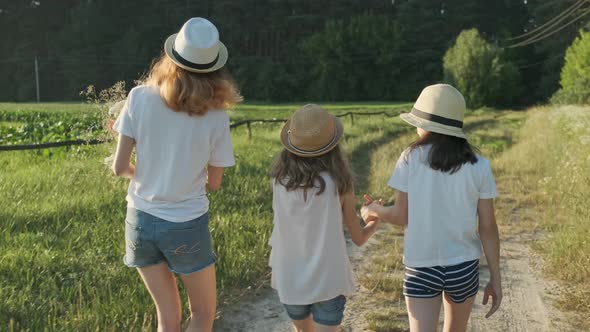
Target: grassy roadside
492	132
553	177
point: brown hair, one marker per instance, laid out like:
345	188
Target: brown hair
194	93
448	153
295	172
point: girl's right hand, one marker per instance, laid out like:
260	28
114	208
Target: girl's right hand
493	289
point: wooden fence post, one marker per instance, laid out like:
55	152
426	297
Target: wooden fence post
249	130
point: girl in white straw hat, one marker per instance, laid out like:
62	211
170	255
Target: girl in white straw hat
313	199
176	124
445	199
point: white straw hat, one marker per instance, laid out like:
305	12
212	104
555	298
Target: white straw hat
196	47
311	132
440	108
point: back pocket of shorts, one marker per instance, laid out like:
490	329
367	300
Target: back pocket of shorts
195	241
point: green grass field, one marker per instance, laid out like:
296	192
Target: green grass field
61	222
63	238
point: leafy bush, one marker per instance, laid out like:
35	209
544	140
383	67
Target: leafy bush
575	74
477	69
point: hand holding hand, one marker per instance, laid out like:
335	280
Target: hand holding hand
493	289
367	211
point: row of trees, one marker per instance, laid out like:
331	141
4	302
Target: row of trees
283	50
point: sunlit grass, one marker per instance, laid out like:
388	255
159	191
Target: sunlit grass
62	237
553	179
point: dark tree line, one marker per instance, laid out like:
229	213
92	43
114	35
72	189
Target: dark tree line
280	50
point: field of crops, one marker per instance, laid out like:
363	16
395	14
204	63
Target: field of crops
62	235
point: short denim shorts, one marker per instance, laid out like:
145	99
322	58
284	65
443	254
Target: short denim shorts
329	312
185	246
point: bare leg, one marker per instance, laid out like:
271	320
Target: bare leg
457	314
423	313
201	289
324	328
161	284
304	325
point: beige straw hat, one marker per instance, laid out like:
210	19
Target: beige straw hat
311	132
196	47
440	108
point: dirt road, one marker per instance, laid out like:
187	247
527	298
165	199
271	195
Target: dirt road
526	306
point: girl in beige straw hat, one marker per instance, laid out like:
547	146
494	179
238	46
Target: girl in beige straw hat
313	199
445	201
176	124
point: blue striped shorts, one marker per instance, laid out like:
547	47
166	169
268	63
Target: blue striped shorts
459	282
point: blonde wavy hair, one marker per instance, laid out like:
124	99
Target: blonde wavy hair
194	93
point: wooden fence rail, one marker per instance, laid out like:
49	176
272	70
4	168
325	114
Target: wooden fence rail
236	124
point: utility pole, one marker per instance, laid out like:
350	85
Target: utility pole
37	78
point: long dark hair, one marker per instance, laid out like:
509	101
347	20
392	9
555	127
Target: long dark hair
448	153
296	172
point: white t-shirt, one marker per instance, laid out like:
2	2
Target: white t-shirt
442	208
309	260
173	150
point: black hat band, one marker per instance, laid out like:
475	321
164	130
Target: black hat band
437	118
199	66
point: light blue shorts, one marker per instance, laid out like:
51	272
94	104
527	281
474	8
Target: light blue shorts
329	312
184	246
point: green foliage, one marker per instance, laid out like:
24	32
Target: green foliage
279	50
354	59
477	69
42	127
575	74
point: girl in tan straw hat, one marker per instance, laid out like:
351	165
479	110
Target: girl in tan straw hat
176	123
313	199
445	201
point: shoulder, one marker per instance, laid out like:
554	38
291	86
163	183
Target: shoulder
482	166
219	117
141	92
412	154
482	162
218	114
328	179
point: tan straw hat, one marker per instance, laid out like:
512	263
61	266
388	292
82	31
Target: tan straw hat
311	132
196	47
440	108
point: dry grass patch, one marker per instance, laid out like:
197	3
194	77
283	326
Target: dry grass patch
548	175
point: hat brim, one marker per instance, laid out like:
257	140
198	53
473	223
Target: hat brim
339	128
221	60
432	126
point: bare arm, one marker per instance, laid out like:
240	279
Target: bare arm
122	164
358	233
394	214
214	177
490	239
